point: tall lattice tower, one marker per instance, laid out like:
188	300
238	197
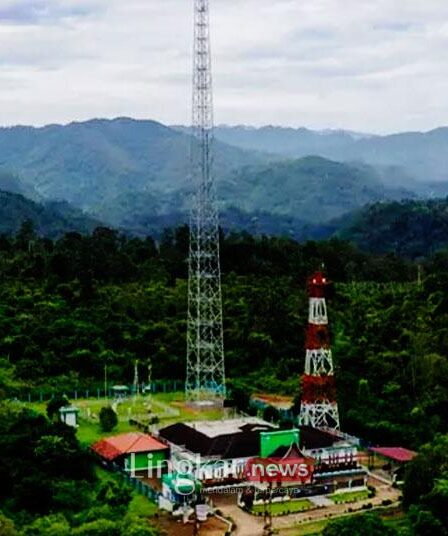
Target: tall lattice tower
319	407
205	349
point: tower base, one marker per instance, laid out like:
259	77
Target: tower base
319	415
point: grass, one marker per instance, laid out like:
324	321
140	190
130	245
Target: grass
141	408
177	400
396	520
290	507
90	432
313	528
349	496
141	506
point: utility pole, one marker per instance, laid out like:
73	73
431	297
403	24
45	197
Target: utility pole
105	381
150	376
136	387
205	379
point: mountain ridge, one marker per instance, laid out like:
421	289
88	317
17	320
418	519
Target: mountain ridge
423	155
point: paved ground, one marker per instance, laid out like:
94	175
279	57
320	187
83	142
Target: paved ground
321	501
246	524
249	525
172	527
383	493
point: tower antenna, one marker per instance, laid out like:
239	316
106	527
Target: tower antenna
319	407
205	349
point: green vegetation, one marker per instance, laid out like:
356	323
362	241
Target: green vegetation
347	497
121	169
50	218
397	522
412	229
108	419
282	508
141	507
316	188
73	308
425	492
90	432
358	525
49	486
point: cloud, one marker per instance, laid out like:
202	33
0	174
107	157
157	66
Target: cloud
25	12
361	64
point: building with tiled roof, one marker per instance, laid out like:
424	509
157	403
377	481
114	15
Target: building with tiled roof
134	451
394	460
396	454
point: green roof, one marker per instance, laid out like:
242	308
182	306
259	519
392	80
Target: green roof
271	441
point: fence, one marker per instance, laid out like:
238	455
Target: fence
46	394
141	487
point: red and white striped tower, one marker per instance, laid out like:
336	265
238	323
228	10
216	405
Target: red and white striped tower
319	407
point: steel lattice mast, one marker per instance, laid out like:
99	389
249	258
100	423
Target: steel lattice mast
319	407
205	349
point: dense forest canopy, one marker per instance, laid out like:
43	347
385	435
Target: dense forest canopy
71	306
49	485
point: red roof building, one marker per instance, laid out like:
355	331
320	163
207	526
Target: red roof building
396	457
135	450
397	454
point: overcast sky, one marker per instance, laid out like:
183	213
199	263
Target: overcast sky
368	65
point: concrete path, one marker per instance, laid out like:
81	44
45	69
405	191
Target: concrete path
246	524
320	500
249	525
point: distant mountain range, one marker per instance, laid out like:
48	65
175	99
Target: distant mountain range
133	175
313	189
96	162
422	156
410	229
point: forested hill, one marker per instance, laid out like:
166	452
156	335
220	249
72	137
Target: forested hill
96	161
279	198
313	189
389	332
50	219
409	229
421	155
133	174
70	306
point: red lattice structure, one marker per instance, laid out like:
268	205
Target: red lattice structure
319	407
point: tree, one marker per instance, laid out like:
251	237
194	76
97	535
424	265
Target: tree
100	527
424	523
8	382
108	419
55	405
7	527
424	470
359	525
52	525
437	500
137	526
26	235
113	494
